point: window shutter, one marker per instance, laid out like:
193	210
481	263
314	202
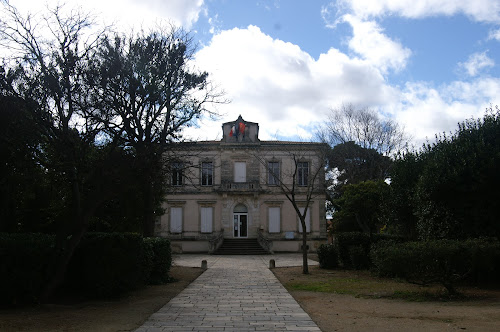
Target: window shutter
176	220
274	220
206	219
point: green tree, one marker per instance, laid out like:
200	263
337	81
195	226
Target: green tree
364	203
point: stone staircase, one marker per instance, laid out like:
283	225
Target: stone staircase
240	247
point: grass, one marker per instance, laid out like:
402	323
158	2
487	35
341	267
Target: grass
363	284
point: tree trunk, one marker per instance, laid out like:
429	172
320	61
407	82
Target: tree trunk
305	266
148	221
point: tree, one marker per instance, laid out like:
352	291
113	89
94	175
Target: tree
301	181
449	188
149	93
50	68
364	203
365	128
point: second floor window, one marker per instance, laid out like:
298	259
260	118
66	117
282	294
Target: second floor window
177	169
273	170
207	173
302	173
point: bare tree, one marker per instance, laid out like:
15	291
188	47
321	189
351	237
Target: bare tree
301	181
365	128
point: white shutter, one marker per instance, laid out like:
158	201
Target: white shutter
206	219
308	220
274	220
240	172
176	220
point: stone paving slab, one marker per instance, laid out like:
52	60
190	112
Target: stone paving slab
235	293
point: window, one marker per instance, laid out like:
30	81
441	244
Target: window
176	220
274	220
177	170
206	219
308	220
273	169
207	173
302	173
240	172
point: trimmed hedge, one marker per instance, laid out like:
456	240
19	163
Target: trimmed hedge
107	264
157	260
354	247
439	261
328	256
23	270
103	265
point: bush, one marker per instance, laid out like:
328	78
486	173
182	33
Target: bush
23	270
441	261
157	260
359	257
107	264
328	256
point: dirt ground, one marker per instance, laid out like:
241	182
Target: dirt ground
368	310
124	314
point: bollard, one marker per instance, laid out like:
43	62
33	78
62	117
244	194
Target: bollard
272	264
204	264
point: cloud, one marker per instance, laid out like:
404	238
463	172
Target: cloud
476	63
494	34
369	41
279	85
477	10
425	110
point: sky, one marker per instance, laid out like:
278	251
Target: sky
287	63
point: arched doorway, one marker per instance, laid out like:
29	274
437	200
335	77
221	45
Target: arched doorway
240	221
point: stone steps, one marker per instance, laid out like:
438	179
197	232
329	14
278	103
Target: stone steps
240	247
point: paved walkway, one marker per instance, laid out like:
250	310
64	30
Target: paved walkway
235	293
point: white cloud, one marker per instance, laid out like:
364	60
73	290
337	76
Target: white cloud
426	111
476	63
477	10
369	41
494	34
278	85
127	13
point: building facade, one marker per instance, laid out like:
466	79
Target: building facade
235	188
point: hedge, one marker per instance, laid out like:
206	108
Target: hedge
354	247
328	256
439	261
103	265
107	264
157	260
23	270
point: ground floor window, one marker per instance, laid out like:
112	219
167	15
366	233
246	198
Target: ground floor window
206	219
274	220
175	220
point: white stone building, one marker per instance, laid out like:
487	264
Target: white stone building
232	189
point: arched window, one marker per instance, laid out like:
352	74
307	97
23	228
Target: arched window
240	208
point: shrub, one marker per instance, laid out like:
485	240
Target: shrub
23	271
441	261
157	260
346	241
328	256
359	257
107	264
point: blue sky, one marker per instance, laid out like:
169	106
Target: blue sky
287	63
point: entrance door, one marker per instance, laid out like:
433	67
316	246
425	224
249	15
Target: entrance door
240	222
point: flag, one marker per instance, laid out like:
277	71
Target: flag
232	132
242	128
